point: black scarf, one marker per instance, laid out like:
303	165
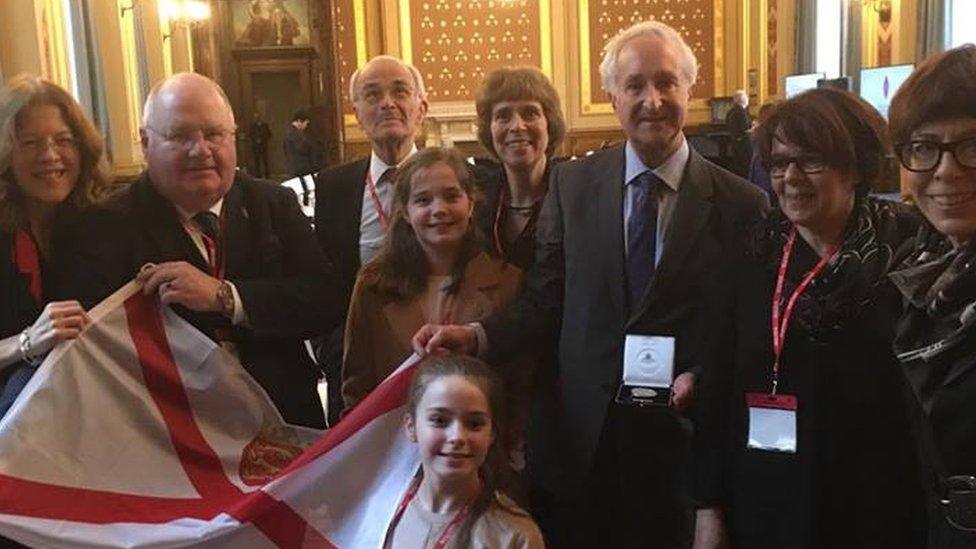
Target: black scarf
938	282
851	280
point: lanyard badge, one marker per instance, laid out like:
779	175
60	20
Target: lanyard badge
772	416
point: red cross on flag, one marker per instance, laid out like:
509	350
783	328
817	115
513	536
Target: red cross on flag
144	433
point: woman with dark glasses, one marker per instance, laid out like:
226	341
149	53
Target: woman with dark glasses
801	427
933	121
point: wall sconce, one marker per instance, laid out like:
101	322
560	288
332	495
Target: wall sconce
878	6
183	13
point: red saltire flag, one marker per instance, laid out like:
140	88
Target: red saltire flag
145	433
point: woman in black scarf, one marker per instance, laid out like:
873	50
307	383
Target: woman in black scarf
800	431
933	121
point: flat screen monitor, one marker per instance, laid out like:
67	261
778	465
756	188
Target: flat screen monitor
879	84
798	83
843	83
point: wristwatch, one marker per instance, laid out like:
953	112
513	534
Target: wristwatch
225	298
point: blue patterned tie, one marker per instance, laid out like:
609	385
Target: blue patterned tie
641	235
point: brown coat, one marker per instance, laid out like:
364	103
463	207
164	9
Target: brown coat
378	331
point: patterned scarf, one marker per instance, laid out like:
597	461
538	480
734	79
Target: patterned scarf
874	231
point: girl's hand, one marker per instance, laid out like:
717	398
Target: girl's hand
59	321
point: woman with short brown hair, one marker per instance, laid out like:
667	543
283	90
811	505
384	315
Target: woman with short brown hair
799	439
520	123
933	121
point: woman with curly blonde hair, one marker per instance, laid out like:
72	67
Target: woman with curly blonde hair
51	166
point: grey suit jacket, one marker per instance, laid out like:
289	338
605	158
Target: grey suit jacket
575	293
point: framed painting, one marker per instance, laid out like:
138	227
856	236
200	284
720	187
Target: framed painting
270	23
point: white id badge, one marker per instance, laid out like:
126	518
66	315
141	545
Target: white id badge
648	361
772	422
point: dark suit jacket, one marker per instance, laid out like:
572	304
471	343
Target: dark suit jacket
299	152
576	292
338	215
285	283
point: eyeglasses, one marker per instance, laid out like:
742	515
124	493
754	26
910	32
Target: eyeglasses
923	155
186	139
37	146
809	164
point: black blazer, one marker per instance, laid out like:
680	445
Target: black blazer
576	291
286	285
338	214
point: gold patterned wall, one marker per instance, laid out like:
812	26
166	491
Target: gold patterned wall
600	20
350	47
455	43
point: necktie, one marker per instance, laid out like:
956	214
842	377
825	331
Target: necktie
641	235
210	227
209	224
389	176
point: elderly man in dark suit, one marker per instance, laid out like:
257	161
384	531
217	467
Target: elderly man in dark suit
629	242
232	254
353	201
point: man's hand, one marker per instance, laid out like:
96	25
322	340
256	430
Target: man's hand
683	391
710	530
181	283
438	338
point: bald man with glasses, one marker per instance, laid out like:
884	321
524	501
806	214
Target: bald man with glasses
232	254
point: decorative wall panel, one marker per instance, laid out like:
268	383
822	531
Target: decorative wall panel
772	75
698	21
454	43
350	32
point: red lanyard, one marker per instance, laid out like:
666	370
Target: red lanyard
384	219
448	530
27	259
780	326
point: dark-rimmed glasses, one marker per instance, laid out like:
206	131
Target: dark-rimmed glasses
810	164
923	155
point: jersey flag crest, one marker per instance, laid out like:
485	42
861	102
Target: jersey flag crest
145	433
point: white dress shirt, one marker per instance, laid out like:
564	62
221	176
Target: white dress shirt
670	172
371	230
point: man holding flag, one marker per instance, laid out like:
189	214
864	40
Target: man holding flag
234	255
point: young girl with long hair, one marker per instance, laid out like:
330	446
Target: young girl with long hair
454	415
431	269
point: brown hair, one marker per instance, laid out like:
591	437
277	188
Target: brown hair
21	93
434	367
845	130
399	271
942	87
519	84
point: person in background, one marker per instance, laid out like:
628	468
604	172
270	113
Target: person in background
259	134
232	255
758	175
933	123
455	416
738	124
298	147
353	200
521	124
52	166
431	269
801	426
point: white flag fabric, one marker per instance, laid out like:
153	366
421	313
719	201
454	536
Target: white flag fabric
145	433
